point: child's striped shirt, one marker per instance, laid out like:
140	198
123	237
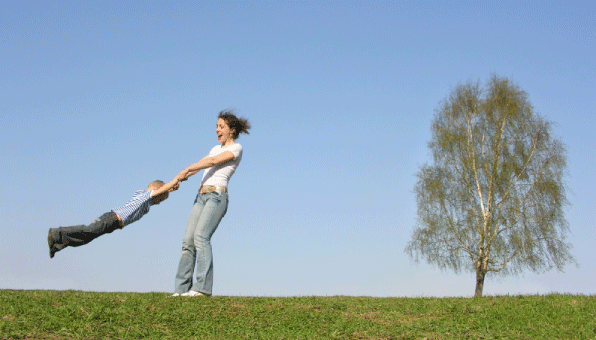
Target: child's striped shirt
134	209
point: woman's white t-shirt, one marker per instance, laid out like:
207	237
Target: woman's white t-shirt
219	175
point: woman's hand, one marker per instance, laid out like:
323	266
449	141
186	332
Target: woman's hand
183	175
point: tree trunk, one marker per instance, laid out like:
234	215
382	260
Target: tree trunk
480	274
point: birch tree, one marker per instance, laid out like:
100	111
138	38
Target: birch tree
494	199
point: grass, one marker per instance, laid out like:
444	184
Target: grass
38	314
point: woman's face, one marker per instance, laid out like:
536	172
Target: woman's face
224	134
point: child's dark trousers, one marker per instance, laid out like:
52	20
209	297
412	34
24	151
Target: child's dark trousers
79	235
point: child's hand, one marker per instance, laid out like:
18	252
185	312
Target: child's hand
182	176
175	184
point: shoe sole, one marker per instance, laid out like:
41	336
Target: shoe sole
51	243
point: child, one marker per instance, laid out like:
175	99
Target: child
133	210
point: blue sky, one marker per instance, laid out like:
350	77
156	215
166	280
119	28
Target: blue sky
100	98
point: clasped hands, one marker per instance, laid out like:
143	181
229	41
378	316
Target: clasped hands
181	177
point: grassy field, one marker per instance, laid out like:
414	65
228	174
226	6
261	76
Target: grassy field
87	315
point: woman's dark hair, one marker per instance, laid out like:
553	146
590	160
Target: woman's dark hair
239	125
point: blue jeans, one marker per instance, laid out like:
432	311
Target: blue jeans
205	215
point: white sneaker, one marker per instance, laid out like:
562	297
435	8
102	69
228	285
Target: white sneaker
193	293
175	294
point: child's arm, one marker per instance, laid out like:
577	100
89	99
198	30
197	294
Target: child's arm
170	186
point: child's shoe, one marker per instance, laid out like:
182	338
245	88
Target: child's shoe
54	241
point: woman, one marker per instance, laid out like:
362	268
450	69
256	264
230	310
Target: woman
210	206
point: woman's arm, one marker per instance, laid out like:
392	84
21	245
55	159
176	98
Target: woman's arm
204	163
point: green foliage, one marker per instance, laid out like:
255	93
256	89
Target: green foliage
87	315
493	201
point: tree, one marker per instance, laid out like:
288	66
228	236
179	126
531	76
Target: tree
493	201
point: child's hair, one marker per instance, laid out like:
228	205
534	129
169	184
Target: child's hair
156	184
240	125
